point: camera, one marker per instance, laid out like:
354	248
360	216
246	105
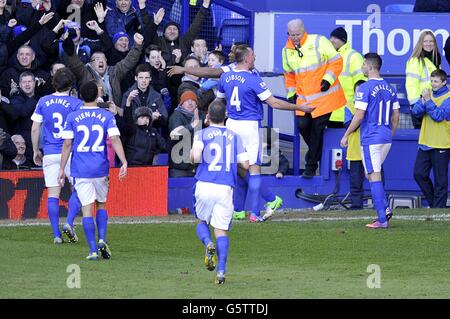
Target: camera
72	33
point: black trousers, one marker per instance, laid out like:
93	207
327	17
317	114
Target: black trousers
356	184
436	159
312	130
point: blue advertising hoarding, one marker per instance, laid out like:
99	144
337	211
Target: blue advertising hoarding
393	36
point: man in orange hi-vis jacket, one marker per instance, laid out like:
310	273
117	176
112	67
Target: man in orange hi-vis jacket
311	68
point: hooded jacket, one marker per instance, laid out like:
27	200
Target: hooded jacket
141	142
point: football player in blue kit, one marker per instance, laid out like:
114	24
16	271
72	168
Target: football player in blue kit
377	111
85	136
218	150
49	116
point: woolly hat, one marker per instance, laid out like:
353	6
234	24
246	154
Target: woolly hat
119	35
340	34
18	29
142	111
168	24
188	95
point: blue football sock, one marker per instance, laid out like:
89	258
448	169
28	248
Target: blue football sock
222	244
89	231
203	233
74	208
240	194
254	192
53	215
379	199
102	223
267	194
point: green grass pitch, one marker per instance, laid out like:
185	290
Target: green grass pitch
278	259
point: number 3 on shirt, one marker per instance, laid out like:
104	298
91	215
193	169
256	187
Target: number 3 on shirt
234	100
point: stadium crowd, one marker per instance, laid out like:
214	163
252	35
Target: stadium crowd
117	44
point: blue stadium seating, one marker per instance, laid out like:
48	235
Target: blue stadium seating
399	8
233	30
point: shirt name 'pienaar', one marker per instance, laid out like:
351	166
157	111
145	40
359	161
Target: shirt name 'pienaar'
235	77
381	87
91	114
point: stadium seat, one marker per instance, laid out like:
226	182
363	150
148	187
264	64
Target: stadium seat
399	8
219	14
233	30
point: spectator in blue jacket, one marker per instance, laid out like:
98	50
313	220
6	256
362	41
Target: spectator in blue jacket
123	18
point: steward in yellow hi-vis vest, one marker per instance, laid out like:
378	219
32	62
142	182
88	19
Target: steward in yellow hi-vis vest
311	68
434	140
424	59
351	72
304	69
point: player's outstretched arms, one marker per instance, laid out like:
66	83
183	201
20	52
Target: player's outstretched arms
284	105
203	72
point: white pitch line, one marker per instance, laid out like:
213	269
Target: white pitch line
440	217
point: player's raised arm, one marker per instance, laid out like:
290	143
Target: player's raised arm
284	105
203	72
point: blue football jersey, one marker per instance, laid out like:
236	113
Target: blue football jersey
244	93
89	128
52	111
222	149
378	98
232	66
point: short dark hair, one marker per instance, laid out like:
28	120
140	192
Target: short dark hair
217	111
152	47
198	38
89	91
219	54
438	73
144	67
190	57
63	80
240	52
374	60
26	73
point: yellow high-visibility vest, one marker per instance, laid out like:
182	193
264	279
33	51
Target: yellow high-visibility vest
306	67
351	73
418	78
435	134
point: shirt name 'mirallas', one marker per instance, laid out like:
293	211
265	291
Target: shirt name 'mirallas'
60	101
380	87
235	77
90	114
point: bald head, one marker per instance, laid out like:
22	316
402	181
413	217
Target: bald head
296	24
296	30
